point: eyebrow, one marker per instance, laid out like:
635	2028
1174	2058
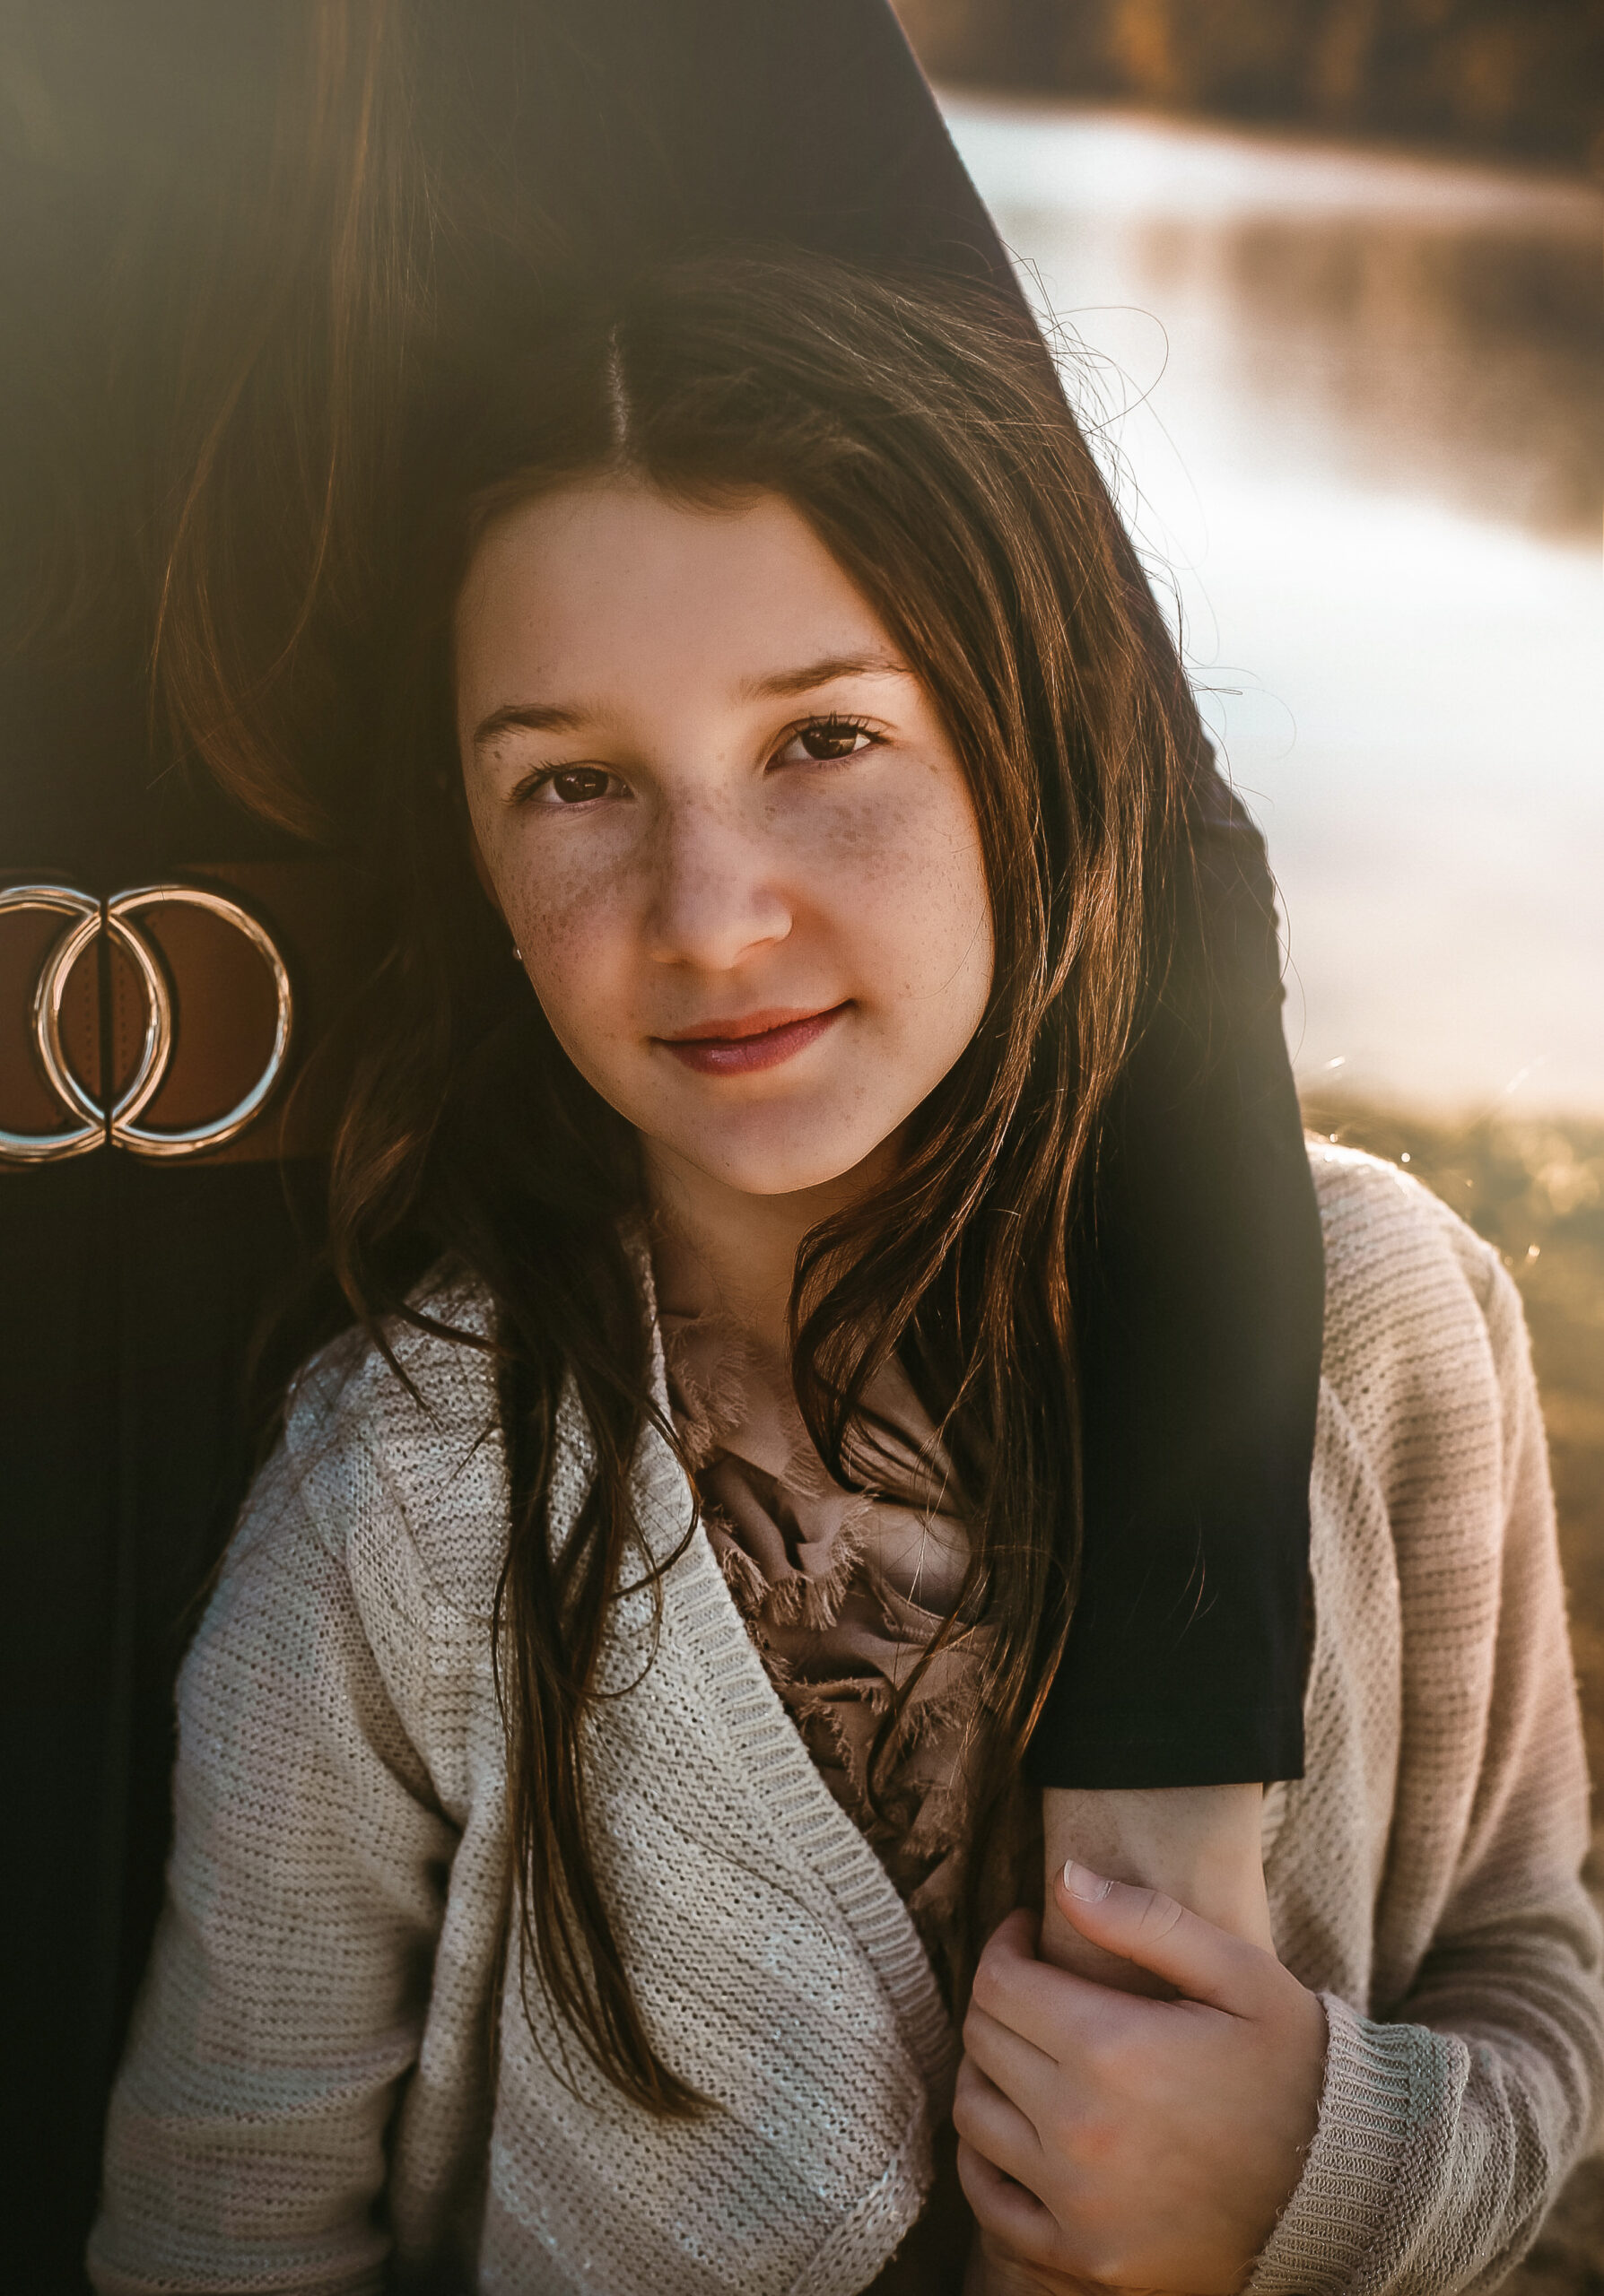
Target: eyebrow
559	718
824	672
533	717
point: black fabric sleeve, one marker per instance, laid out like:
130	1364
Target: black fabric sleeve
1199	1298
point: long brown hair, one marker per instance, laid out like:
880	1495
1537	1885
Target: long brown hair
222	264
306	293
921	432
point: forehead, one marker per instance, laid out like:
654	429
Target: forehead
583	584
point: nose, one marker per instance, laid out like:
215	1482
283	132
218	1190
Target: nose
717	893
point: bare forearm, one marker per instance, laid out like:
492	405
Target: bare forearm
1199	1844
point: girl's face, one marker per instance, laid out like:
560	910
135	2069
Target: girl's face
725	825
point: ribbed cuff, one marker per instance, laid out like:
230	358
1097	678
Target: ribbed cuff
1369	2108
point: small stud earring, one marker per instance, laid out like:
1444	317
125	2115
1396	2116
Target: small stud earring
518	956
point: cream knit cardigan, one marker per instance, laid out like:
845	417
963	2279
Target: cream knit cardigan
329	2088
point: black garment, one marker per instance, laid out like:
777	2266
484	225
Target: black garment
1201	1297
130	1291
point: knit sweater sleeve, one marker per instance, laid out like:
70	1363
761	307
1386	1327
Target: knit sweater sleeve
1446	2127
285	1995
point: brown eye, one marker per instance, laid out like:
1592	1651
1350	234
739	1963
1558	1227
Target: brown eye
828	738
576	783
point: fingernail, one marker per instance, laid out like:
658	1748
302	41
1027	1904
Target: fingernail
1082	1883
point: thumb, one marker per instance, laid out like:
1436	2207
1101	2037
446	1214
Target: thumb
1201	1962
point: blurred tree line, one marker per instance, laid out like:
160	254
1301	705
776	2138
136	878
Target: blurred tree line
1520	77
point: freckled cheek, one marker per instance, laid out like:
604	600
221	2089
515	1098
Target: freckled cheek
910	899
578	937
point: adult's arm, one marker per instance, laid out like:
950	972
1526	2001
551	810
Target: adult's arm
1446	2128
286	1993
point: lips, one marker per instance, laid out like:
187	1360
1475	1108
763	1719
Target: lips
737	1047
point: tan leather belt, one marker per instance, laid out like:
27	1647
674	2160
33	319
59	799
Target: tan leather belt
171	1019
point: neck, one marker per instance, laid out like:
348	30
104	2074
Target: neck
718	1249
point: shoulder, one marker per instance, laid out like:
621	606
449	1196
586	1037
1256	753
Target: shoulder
393	1454
1384	1229
1422	1320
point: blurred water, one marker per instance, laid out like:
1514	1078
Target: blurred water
1353	405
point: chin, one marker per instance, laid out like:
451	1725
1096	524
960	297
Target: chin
784	1166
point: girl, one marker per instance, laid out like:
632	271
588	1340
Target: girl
602	1750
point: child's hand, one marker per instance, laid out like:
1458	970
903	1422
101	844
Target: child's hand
1132	2143
993	2273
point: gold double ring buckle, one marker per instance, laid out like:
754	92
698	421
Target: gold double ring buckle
119	1124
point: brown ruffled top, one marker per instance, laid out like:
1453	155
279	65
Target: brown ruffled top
843	1591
